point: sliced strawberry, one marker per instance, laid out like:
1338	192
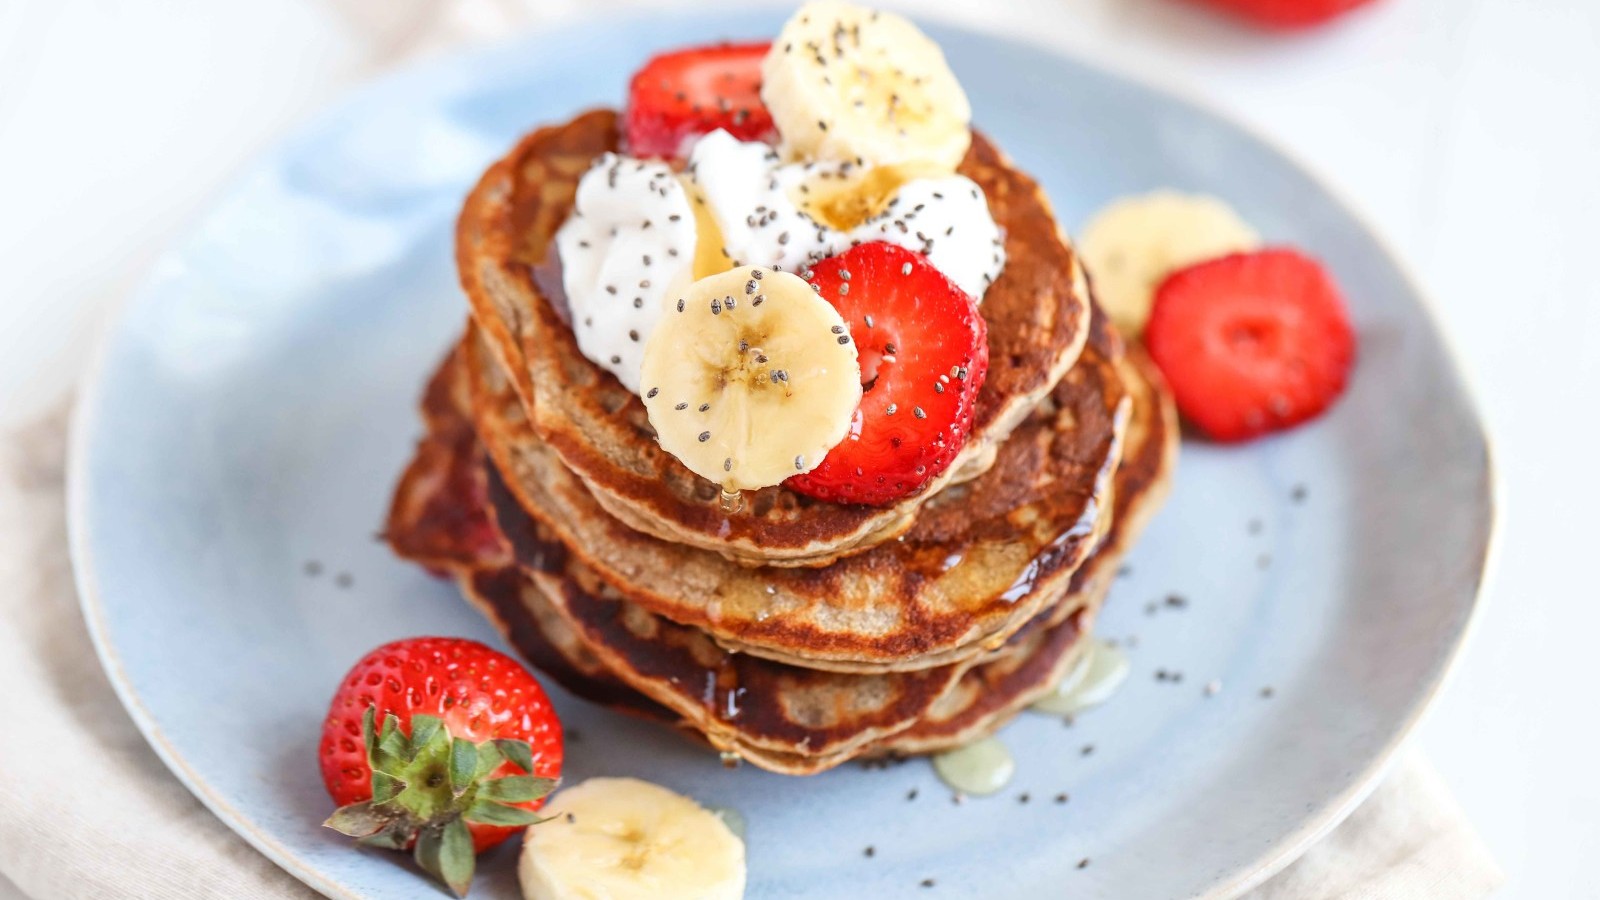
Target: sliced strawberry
1287	14
1251	343
924	352
686	93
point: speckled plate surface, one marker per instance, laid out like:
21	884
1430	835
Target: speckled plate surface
252	408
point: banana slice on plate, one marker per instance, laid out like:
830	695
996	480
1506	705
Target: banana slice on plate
848	83
750	378
1133	244
622	838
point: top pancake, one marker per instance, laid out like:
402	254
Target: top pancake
1037	314
983	557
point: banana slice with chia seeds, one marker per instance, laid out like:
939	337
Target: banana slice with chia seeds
626	839
750	378
847	83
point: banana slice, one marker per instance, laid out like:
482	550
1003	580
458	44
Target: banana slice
847	83
843	197
621	839
710	254
1134	243
750	378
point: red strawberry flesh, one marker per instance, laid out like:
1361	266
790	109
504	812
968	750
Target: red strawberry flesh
687	93
1252	342
923	350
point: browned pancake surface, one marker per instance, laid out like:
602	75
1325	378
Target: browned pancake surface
981	559
1037	314
779	717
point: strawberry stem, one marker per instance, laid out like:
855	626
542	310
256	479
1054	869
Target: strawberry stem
428	785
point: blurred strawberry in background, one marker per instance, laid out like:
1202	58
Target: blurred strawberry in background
1286	14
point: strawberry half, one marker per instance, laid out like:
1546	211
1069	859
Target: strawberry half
1287	14
1251	343
687	93
442	746
924	352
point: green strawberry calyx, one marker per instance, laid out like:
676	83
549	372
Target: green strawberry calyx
428	786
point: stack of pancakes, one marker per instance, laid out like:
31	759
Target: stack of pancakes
794	633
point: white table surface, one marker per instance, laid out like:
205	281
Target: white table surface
1467	130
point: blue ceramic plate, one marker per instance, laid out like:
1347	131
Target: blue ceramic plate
250	412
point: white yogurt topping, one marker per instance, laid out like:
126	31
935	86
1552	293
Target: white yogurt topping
629	246
626	249
750	195
947	220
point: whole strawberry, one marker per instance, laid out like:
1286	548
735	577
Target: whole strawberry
442	746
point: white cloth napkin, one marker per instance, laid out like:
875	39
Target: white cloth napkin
87	810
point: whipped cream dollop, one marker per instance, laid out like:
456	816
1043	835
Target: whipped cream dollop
629	247
751	195
626	249
947	220
748	194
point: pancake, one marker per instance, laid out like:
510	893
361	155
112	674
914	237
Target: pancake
982	558
509	599
439	515
778	717
561	618
440	518
1145	472
1037	312
740	702
753	707
988	696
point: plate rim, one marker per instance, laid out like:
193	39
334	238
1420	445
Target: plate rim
1277	856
